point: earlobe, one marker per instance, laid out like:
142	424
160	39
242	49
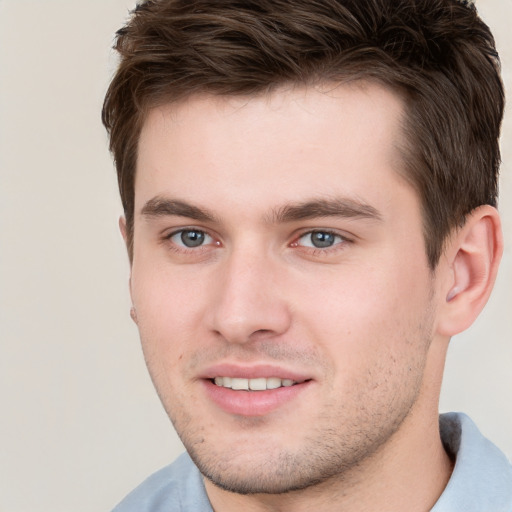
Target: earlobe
473	256
133	315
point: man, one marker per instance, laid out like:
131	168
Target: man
309	192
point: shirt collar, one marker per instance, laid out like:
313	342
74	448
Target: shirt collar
482	476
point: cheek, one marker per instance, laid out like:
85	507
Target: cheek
362	314
165	298
168	313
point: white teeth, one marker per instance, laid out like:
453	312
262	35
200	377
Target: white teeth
258	384
239	383
273	383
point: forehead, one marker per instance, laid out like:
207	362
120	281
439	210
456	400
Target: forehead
291	143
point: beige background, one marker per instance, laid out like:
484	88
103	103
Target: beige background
80	424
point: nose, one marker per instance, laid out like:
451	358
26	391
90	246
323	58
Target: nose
248	300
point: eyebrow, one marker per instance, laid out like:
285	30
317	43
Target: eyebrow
162	207
336	207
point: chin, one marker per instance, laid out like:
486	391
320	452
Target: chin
264	481
272	470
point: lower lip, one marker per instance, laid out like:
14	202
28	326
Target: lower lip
253	403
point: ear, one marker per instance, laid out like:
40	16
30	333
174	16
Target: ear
470	261
122	228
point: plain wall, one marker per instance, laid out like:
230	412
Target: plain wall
80	423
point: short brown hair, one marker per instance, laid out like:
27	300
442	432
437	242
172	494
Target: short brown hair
438	54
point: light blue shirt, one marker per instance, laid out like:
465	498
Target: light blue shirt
481	480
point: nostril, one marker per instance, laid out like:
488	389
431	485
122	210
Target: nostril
262	331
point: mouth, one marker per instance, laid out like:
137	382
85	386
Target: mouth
254	391
255	384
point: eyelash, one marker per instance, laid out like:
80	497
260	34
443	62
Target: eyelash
314	251
322	251
183	248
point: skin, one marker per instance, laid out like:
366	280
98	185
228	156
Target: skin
364	321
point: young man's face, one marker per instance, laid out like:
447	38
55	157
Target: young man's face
275	243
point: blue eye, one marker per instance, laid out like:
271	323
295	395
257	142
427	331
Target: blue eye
191	238
320	239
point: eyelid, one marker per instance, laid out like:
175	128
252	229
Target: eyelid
337	245
168	236
207	239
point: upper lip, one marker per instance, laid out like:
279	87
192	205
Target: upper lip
252	372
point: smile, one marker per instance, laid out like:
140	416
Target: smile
257	384
254	390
